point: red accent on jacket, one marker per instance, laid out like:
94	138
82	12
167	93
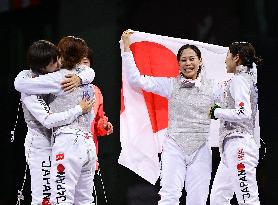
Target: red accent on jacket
100	120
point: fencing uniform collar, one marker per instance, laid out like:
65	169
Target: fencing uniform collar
189	83
251	71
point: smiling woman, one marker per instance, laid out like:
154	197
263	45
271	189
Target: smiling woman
190	61
186	156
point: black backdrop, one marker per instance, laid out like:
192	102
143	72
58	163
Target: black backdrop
101	23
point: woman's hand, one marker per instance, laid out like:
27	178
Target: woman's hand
71	82
211	111
86	105
109	128
126	40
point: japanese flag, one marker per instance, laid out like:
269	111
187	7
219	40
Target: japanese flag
144	116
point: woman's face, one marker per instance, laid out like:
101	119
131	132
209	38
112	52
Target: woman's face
85	61
231	62
189	63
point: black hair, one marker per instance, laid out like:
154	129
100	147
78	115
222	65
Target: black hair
246	52
40	54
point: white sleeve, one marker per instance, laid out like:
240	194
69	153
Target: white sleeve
50	82
43	84
240	91
86	75
39	109
162	86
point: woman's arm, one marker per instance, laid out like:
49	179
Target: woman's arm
240	91
51	82
101	124
40	110
162	86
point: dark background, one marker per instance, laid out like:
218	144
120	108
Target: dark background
101	23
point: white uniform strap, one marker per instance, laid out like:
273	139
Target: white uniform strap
17	113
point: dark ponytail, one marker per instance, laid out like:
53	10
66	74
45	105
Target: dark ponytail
246	52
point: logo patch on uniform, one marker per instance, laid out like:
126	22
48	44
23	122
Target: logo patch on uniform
240	154
42	102
59	156
86	95
241	109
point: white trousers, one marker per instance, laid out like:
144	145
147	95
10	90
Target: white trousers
236	172
73	169
37	153
193	171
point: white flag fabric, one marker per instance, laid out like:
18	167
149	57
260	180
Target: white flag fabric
144	116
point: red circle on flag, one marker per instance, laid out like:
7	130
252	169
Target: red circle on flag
156	60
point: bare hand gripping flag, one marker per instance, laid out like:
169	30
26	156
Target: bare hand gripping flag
143	115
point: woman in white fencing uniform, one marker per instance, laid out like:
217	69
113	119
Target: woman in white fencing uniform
73	151
237	111
186	156
43	58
